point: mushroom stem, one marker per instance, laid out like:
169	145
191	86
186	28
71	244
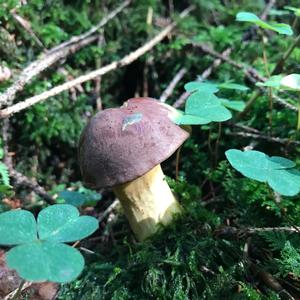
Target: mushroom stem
147	201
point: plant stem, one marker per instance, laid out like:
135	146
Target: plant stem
276	70
280	63
298	123
177	163
217	144
266	63
19	290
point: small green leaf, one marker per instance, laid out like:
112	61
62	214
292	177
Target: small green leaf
278	27
41	261
17	227
62	223
293	9
90	194
285	182
4	176
208	87
192	120
6	189
281	162
273	81
83	197
73	198
207	106
233	86
211	87
277	171
278	12
247	17
291	82
235	105
284	29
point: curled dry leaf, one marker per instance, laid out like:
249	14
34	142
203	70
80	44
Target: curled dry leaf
42	291
9	279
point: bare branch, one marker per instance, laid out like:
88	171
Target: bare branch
252	74
264	137
104	21
230	231
4	113
22	180
37	67
267	9
170	88
109	209
181	100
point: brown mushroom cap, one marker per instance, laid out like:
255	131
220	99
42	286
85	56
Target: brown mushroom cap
120	144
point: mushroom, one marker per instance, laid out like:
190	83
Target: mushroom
122	148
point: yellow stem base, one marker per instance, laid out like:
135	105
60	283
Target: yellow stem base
147	201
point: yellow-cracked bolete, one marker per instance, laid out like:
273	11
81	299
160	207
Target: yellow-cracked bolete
122	148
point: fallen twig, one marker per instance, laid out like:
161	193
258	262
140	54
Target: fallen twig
264	137
23	180
4	113
181	100
252	74
24	286
170	88
109	209
229	232
105	20
267	9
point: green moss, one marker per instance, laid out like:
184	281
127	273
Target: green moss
182	261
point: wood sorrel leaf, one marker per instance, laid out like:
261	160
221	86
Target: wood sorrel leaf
277	171
40	255
291	82
207	106
234	105
17	227
278	27
62	223
40	261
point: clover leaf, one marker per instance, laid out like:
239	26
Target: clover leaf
203	106
277	27
85	197
291	82
234	105
273	81
40	253
277	171
205	86
213	87
295	10
207	106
